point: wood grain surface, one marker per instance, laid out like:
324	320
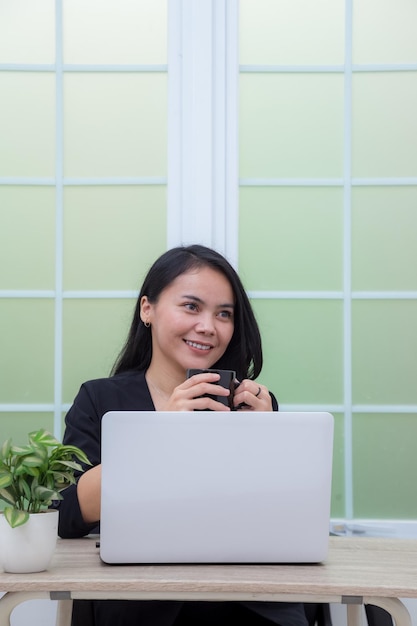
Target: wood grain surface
354	567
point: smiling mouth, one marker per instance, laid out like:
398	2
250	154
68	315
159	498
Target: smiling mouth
199	346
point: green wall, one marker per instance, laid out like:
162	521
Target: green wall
83	169
327	228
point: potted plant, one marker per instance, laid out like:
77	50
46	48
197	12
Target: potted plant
31	477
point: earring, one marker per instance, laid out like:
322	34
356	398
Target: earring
147	324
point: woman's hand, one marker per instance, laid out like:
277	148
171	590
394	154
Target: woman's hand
251	396
191	395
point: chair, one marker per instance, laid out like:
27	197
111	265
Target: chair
377	616
318	614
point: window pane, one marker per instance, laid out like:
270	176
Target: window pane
384	352
384	137
384	31
291	32
112	234
18	425
27	31
307	225
303	349
94	333
27	352
291	125
105	31
27	124
115	124
384	230
27	238
385	466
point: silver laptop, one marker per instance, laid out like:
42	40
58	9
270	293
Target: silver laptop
215	487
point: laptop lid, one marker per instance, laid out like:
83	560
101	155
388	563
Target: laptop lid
215	487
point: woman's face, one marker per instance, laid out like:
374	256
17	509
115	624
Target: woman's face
192	322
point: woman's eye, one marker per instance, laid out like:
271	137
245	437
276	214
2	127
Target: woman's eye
191	306
225	314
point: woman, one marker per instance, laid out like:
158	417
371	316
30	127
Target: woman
192	313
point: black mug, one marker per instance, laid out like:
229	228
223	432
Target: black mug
227	380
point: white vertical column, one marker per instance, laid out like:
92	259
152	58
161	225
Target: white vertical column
202	123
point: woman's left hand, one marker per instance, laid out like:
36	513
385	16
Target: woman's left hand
251	396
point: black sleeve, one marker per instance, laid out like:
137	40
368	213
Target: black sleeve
83	429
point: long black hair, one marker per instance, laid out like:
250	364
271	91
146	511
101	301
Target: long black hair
244	352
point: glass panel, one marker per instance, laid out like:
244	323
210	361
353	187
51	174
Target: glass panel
306	222
385	466
383	139
102	228
115	124
303	349
384	31
27	124
384	352
291	125
27	352
94	333
338	486
19	425
27	31
384	228
27	238
105	31
291	32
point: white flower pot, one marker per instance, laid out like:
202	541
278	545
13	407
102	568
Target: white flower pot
28	548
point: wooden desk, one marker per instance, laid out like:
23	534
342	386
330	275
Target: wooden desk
357	571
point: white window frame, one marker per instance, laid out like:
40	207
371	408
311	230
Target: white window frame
202	124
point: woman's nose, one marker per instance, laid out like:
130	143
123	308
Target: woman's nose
206	325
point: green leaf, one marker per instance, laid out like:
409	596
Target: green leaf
43	494
32	460
6	479
6	496
15	517
26	469
24	488
57	465
5	449
66	478
43	437
21	451
42	497
40	450
67	452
